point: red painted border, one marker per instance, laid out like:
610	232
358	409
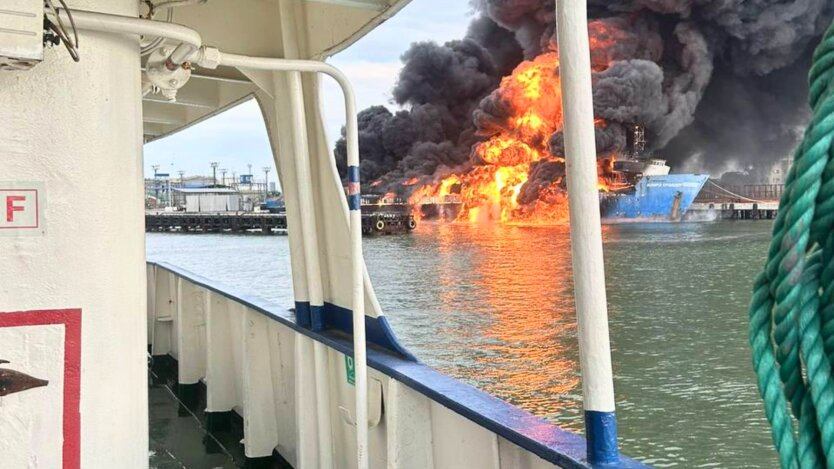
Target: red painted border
71	319
37	210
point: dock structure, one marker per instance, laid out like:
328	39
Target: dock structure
765	210
220	222
373	223
384	223
748	202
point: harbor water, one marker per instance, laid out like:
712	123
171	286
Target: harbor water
493	306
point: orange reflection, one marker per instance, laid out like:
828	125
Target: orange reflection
526	349
447	273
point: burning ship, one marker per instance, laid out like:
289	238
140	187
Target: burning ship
509	167
641	188
637	187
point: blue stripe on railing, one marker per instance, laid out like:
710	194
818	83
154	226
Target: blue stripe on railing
353	173
517	426
302	314
354	202
601	433
333	317
316	316
354	197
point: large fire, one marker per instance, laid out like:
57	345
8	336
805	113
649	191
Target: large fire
489	192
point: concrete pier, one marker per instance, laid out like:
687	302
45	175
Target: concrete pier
183	222
733	210
373	223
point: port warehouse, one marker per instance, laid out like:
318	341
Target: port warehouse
201	194
208	200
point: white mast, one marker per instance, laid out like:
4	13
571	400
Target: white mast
585	230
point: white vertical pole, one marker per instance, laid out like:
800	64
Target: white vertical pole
586	234
355	218
311	260
357	264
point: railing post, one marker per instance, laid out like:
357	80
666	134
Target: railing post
310	241
586	233
355	223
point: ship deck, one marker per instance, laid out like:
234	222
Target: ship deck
177	442
178	435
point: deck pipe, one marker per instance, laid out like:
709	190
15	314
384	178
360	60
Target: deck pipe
190	40
310	238
586	232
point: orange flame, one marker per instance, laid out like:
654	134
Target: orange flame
489	192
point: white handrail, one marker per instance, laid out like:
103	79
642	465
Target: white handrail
586	232
352	137
192	41
309	234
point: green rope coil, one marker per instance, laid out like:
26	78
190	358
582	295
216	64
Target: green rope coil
792	308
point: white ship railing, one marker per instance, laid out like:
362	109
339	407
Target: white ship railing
241	351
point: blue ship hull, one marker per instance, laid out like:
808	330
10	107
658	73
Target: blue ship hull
653	198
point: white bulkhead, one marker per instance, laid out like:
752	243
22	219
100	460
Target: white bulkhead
72	133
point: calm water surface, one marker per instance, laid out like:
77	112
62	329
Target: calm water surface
493	306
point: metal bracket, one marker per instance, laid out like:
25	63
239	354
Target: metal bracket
163	78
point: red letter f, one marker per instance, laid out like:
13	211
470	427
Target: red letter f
11	207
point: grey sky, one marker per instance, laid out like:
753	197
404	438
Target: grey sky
238	137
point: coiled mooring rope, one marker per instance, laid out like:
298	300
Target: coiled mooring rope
792	308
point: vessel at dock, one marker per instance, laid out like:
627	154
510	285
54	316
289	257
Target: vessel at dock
637	190
633	186
386	214
647	192
640	188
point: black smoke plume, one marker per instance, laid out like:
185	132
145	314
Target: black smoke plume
720	80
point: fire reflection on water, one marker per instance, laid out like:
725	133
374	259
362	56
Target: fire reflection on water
525	346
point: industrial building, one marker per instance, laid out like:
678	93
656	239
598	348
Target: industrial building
210	199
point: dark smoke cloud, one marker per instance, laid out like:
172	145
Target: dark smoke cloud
439	86
610	139
687	40
719	79
631	91
742	120
542	175
530	20
500	43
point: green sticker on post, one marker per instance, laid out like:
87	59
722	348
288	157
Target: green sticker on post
350	370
